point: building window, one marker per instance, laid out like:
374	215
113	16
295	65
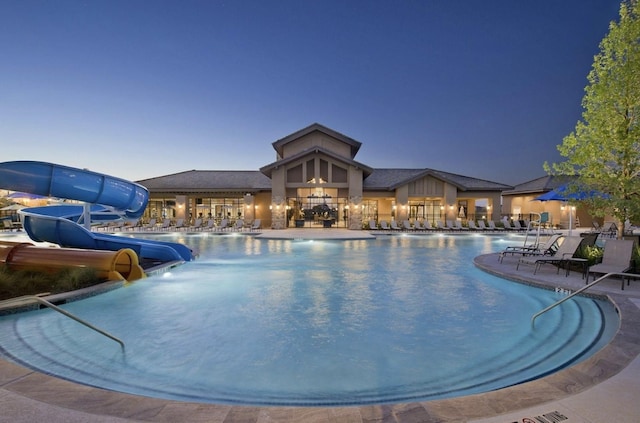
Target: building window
324	170
295	174
311	171
429	210
338	174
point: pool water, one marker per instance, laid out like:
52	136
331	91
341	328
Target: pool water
281	322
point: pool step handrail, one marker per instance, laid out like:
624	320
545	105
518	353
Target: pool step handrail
26	298
584	288
538	223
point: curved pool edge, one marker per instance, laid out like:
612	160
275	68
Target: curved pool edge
28	391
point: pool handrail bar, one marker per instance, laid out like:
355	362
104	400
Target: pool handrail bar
584	288
538	223
62	311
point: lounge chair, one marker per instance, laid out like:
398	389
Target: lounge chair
239	225
493	227
417	226
105	226
197	225
394	226
384	225
519	226
179	225
546	248
7	225
564	254
151	225
629	228
588	239
255	226
451	226
427	226
406	225
224	224
615	259
165	224
471	224
483	225
507	225
609	230
440	226
458	225
372	225
116	226
131	225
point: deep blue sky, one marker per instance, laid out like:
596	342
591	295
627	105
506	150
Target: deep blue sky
139	89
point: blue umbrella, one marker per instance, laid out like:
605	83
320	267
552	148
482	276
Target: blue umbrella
563	194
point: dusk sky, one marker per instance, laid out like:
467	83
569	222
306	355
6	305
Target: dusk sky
138	89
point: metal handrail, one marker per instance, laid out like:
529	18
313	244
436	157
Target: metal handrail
584	288
539	222
62	311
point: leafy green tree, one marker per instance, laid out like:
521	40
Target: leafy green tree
603	152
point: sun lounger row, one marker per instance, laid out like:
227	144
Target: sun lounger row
180	225
426	225
565	255
546	248
617	256
608	230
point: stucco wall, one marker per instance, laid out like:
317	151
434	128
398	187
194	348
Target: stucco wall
316	139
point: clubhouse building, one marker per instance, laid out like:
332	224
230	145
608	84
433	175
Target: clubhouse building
316	181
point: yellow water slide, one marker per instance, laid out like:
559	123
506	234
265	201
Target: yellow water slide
111	265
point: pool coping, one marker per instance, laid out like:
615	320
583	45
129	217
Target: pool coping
70	397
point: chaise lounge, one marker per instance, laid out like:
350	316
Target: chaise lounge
565	254
615	259
546	248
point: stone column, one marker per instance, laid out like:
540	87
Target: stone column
278	213
355	212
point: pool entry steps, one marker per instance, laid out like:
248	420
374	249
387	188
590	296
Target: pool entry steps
34	298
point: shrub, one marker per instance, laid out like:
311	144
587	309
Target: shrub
593	253
15	283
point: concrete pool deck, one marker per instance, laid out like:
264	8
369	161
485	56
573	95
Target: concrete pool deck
602	389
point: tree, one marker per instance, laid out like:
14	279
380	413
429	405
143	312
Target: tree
603	152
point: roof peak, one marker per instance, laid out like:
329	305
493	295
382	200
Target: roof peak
279	144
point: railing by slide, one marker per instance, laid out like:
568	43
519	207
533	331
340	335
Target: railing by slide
27	298
584	288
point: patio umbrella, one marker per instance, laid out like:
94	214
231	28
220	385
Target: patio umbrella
562	193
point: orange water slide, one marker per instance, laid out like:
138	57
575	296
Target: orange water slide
111	265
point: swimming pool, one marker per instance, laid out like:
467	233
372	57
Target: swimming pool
315	323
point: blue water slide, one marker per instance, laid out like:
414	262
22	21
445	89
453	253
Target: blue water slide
110	198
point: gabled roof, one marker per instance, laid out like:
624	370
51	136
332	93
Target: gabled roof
355	145
390	179
207	180
194	181
366	170
539	185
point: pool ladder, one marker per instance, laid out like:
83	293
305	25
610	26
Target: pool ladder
30	298
584	288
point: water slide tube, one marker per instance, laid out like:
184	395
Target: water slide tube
110	265
110	198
